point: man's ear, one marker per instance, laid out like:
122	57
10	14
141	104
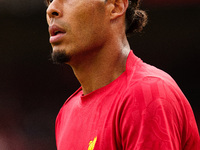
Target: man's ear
117	8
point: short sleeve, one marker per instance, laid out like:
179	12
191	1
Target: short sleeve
155	118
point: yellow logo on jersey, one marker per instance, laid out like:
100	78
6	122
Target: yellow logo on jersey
92	144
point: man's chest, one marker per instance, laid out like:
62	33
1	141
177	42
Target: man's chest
90	127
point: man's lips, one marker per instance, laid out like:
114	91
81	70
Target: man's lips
56	33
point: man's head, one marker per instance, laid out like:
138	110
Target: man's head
79	28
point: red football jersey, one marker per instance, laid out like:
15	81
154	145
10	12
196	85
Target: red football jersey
143	109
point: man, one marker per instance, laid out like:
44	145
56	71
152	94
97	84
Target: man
123	103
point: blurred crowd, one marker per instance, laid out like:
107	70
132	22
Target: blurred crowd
32	89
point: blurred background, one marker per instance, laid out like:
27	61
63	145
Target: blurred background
33	89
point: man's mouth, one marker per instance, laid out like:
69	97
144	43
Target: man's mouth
56	33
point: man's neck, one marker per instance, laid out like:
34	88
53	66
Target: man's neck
103	67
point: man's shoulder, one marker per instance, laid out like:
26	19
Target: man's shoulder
146	74
149	83
139	71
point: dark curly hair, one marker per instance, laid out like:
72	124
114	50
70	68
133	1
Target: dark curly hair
136	19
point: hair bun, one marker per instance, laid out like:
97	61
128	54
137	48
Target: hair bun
136	20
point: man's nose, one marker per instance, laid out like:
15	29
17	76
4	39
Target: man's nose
54	10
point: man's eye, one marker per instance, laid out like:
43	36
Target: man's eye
49	1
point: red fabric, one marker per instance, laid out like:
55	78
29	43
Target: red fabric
143	109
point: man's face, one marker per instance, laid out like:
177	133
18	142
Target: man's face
77	28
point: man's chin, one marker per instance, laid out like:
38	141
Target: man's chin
60	57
